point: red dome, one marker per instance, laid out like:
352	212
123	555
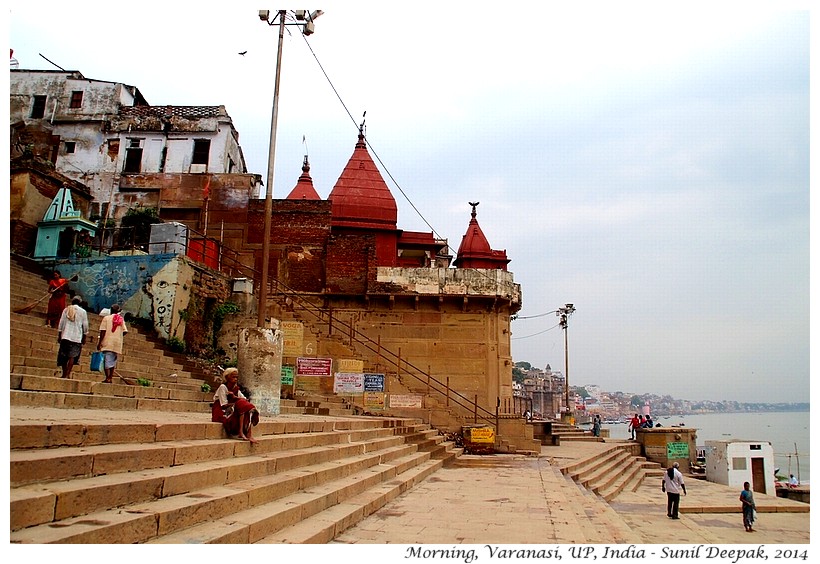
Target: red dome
475	250
361	198
304	189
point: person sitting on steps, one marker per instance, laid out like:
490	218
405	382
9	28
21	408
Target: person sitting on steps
231	408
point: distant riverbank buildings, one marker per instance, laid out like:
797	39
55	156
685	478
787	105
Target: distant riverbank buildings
437	325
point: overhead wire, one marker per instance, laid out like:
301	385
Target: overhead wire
534	316
375	153
535	334
398	186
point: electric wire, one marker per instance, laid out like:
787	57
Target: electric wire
535	334
395	182
534	316
375	153
373	150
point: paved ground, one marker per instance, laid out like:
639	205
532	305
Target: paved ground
515	499
518	499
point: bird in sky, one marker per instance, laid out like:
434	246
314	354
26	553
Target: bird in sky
243	52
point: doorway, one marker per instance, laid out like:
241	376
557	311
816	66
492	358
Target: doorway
758	476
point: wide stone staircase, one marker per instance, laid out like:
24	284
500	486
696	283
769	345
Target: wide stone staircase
127	463
617	469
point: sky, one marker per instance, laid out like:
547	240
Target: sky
648	164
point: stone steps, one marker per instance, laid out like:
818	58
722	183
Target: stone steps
174	483
555	433
616	470
35	379
597	520
99	463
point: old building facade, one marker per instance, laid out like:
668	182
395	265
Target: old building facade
361	287
106	136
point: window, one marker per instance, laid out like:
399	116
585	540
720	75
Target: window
76	99
133	156
70	146
738	463
202	147
38	108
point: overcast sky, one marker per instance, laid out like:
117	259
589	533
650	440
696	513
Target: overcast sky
649	165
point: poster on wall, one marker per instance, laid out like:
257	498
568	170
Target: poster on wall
314	375
677	450
406	400
350	365
287	375
374	400
373	382
292	337
348	383
313	366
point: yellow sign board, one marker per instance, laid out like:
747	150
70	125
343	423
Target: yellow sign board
374	400
292	338
482	435
350	365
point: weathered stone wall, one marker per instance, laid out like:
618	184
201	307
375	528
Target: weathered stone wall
468	350
655	445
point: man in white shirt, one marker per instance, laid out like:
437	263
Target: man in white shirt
673	485
71	333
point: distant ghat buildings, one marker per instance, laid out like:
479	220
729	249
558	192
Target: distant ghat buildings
346	282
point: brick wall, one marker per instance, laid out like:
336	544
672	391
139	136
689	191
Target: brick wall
351	263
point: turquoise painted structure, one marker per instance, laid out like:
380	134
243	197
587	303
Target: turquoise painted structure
62	228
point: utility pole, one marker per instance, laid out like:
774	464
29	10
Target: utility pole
304	20
563	314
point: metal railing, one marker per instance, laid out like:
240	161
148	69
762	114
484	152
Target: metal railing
402	366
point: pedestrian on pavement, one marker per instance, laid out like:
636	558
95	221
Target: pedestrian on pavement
71	334
112	330
747	498
673	485
596	425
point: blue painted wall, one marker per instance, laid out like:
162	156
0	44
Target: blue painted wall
114	280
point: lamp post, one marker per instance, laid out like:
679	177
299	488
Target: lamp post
564	313
304	20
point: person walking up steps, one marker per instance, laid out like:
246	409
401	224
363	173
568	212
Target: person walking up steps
112	330
57	289
71	334
673	485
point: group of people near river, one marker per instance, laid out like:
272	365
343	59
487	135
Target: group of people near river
640	422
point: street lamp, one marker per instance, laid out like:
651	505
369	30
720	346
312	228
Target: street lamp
305	21
563	313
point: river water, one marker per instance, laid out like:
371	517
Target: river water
784	430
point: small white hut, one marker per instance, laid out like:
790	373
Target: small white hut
733	462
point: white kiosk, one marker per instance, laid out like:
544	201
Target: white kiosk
733	462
